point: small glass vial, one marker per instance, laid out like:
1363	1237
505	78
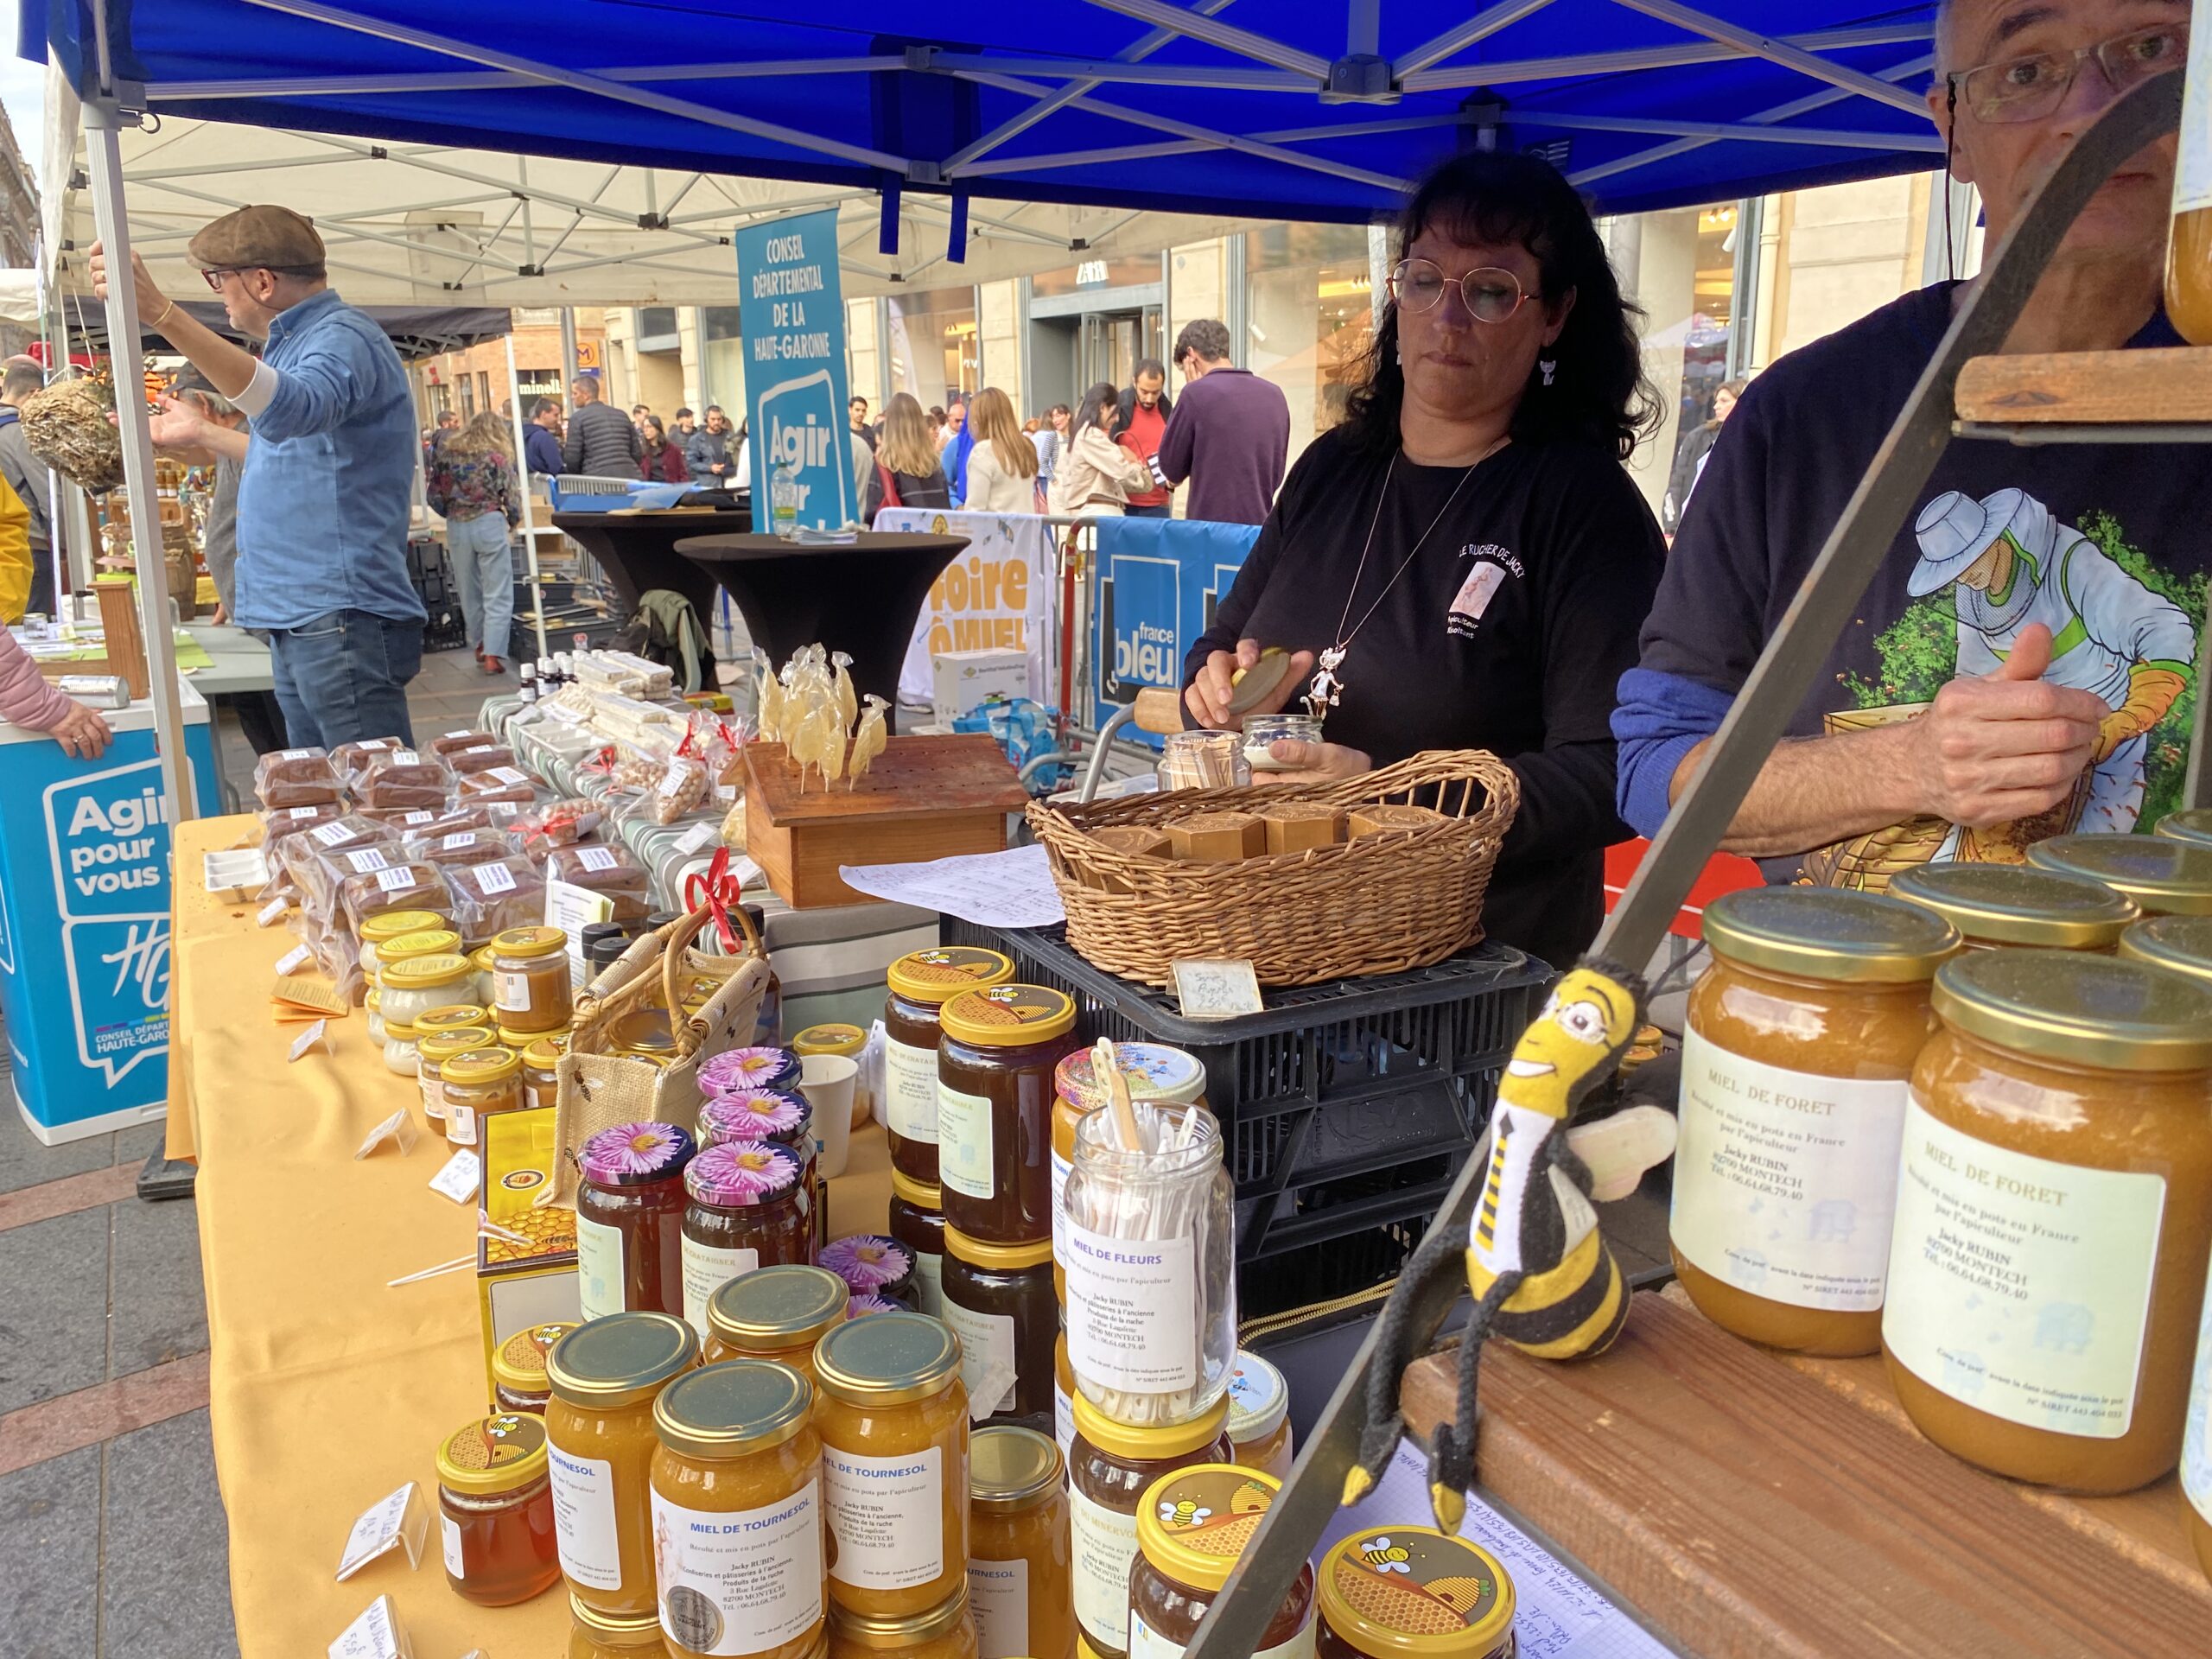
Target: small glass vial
433	1049
1192	1529
529	980
1261	730
1375	1601
1021	1553
518	1367
875	1266
917	1221
1203	761
478	1084
1259	1416
495	1511
630	1220
778	1313
743	1213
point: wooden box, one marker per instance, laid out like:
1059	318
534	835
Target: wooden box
923	798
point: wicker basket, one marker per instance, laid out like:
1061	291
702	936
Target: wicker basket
1379	904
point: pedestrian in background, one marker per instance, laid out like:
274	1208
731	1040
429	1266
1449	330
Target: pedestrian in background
541	438
600	443
662	461
27	476
1145	409
261	718
857	407
1229	434
906	470
473	488
706	455
959	444
686	424
1096	474
1002	468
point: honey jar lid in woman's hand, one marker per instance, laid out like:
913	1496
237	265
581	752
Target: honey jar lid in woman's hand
1250	687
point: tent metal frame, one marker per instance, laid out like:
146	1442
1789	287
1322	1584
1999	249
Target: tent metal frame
1777	685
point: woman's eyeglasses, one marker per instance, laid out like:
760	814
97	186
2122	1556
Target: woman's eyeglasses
1491	293
2031	86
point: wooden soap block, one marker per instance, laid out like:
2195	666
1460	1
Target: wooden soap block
1300	826
1217	837
1385	820
1132	840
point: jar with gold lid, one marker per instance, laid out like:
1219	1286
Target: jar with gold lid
1797	1044
998	1048
433	1049
1109	1467
390	924
2165	876
644	1034
944	1631
2054	1216
478	1084
1020	1553
541	1061
518	1367
2183	944
495	1511
1063	1396
531	990
776	1312
1394	1591
2010	903
595	1635
452	1016
919	983
743	1213
737	1511
630	1203
604	1376
424	942
1154	1072
999	1301
1259	1416
1192	1526
2192	824
411	989
893	1418
917	1220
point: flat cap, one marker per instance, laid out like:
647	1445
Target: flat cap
259	236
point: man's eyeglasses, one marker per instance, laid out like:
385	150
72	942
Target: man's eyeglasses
2029	87
214	278
1491	293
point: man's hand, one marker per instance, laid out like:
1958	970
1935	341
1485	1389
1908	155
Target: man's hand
2005	747
1207	697
1314	763
82	733
222	615
178	425
152	302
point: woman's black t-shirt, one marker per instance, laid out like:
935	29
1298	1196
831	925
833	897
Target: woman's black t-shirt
1507	632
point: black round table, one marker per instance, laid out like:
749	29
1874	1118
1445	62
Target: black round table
637	551
861	596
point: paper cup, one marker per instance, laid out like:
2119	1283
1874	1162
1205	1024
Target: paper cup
827	1081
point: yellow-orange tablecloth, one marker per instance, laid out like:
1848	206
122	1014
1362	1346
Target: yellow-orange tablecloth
330	1388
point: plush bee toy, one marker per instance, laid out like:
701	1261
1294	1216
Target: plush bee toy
1542	1276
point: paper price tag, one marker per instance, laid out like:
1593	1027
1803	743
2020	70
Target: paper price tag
401	1520
272	912
413	818
375	1634
463	838
294	754
366	859
406	758
313	1036
480	749
1216	990
315	995
495	878
295	813
333	834
508	775
398	1128
463	731
596	858
458	1180
726	793
396	880
293	960
698	838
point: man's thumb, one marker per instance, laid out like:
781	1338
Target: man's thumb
2031	655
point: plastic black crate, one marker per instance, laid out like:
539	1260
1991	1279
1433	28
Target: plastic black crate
1346	1108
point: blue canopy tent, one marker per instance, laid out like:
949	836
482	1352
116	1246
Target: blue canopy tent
1269	108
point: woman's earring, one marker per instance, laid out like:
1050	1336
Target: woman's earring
1548	366
1398	355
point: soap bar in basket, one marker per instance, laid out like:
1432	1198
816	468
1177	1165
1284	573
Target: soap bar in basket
1217	837
1383	820
1133	840
1301	826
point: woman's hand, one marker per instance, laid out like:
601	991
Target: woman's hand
1207	696
82	733
1312	763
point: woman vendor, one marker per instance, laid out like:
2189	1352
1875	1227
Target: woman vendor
1462	562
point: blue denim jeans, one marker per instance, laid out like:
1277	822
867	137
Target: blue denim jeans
1165	510
343	678
482	570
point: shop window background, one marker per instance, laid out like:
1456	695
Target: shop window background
933	344
1309	316
721	360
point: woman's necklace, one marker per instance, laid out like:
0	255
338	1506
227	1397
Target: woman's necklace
1323	690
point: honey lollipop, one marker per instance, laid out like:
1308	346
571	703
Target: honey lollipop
868	742
846	707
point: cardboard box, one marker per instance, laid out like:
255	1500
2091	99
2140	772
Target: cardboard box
962	679
520	1286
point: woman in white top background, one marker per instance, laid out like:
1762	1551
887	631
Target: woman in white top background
1002	471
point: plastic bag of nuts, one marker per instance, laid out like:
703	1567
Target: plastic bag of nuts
297	778
544	826
681	790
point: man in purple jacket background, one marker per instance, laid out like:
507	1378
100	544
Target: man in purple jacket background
1230	434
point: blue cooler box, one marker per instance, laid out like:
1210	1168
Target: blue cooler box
84	922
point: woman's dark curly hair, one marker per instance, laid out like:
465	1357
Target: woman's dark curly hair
1599	394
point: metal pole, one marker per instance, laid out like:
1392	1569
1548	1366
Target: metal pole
102	121
59	492
1785	670
528	505
568	352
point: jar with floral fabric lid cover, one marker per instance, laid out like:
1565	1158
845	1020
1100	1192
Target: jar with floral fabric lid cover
872	1265
630	1203
743	1213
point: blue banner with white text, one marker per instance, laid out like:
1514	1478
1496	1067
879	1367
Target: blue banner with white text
791	312
1160	580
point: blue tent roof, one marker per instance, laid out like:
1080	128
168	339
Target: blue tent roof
1262	107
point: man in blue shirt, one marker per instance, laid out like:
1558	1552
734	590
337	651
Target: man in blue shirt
541	437
326	477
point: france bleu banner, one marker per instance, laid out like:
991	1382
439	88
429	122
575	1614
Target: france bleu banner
791	312
1159	581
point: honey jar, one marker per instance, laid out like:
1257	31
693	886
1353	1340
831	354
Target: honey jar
1021	1560
944	1631
1192	1526
595	1635
999	1301
495	1511
743	1213
1109	1467
873	1265
997	1050
1259	1416
433	1049
476	1084
1391	1591
1154	1072
893	1421
424	942
2010	903
737	1503
390	924
541	1061
529	980
644	1034
780	1115
599	1428
518	1367
1063	1396
629	1206
2053	1218
411	989
780	1312
2165	876
917	1221
2183	944
920	982
2190	824
1797	1044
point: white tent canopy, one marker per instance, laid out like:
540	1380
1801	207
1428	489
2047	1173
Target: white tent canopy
425	225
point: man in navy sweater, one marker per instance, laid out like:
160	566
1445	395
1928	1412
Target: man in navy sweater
1230	434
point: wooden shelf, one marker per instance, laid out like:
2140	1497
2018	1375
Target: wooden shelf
2162	387
1747	1505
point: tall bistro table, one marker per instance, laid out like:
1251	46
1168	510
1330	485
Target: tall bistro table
638	550
861	596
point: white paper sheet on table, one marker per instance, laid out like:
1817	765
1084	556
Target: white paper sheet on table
1558	1615
1009	889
